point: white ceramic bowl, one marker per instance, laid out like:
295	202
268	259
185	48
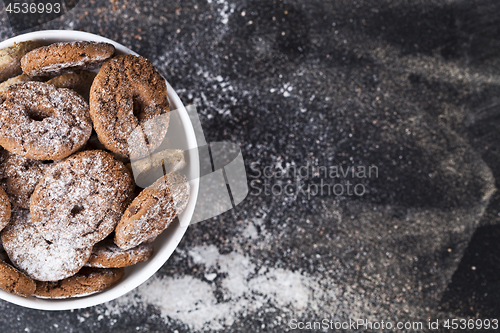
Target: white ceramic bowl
166	243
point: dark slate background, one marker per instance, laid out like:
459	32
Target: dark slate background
410	87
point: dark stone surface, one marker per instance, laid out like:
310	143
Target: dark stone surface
411	88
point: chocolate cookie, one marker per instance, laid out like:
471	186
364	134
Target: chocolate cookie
19	176
38	258
129	98
152	211
106	254
80	82
15	282
85	282
81	198
59	58
10	58
4	209
42	122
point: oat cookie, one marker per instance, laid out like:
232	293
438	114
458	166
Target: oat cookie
36	257
42	122
128	92
15	282
19	176
81	198
86	282
106	254
152	211
10	58
59	58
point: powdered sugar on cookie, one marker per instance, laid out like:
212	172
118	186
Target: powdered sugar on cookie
152	211
81	198
39	259
107	255
41	122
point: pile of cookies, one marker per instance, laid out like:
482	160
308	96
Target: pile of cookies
71	215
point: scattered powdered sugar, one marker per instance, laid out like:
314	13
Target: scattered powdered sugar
192	301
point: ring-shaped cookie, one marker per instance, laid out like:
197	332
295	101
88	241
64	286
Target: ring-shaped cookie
81	198
39	259
127	93
41	122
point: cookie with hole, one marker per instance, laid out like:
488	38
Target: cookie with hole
38	258
81	198
41	122
129	94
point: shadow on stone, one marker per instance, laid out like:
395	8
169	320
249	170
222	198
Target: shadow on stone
474	289
448	30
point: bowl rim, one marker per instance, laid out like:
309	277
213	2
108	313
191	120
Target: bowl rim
174	233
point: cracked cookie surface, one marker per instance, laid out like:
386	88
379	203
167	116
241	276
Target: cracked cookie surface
106	254
81	198
42	122
59	58
19	177
152	211
129	98
4	209
86	282
14	281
